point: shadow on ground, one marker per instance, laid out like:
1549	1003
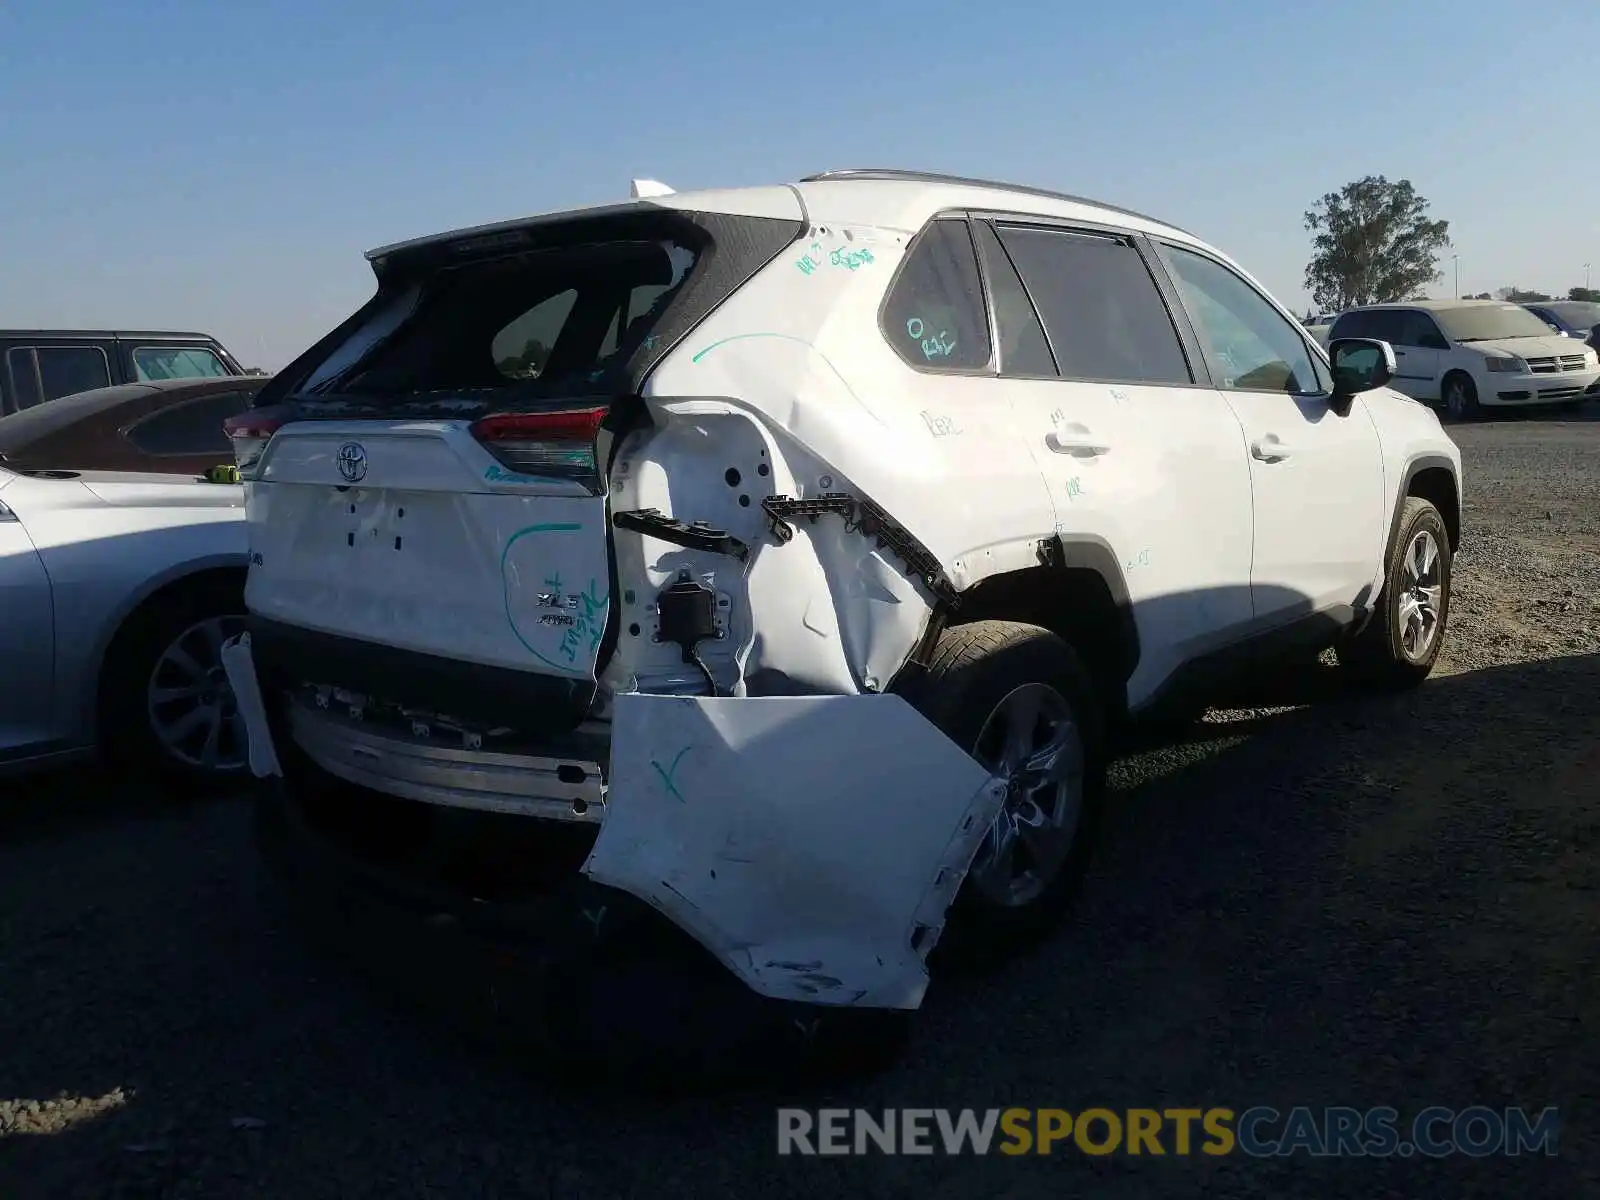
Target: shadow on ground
1368	901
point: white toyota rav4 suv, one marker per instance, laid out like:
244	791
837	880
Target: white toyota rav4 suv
782	556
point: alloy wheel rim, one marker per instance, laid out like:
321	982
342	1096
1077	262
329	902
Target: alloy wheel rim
1421	595
190	703
1031	742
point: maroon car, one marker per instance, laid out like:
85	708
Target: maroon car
169	427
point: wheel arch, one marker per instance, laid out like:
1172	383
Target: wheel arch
1077	591
1433	478
214	569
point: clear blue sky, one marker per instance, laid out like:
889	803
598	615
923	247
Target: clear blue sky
223	166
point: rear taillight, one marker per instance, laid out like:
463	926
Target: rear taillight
546	445
249	434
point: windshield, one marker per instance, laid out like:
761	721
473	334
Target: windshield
1489	322
1577	313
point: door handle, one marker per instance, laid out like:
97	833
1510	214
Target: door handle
1078	442
1269	449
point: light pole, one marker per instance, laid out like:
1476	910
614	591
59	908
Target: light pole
1456	258
1586	277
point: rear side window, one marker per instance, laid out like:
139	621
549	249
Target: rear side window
561	319
176	362
67	370
934	315
1101	309
193	428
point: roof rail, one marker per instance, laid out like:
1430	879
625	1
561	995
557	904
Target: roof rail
890	174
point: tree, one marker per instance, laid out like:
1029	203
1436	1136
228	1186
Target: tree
1592	295
1519	296
1372	244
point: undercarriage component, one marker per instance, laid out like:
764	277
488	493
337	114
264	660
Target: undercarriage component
866	518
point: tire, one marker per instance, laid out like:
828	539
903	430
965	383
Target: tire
975	671
1379	655
1460	397
148	655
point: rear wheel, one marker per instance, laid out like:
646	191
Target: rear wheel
1402	641
1019	700
1460	396
166	706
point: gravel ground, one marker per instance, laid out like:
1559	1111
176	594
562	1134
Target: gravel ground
1362	902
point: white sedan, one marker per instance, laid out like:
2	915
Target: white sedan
117	590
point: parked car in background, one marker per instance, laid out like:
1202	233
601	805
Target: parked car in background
1475	354
1576	318
40	365
587	520
172	427
117	590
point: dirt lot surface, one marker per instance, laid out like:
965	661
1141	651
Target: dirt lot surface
1355	901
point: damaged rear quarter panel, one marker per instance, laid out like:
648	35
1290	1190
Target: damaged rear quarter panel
793	375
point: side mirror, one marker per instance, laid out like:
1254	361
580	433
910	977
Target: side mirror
1359	365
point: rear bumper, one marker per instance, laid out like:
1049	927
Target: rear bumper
812	844
544	703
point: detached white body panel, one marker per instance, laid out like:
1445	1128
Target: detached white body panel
813	843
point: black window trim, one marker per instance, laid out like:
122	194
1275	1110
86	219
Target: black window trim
994	312
1312	347
1188	341
988	370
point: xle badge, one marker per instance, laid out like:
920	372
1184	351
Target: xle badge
352	462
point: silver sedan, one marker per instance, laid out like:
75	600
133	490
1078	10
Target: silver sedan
117	590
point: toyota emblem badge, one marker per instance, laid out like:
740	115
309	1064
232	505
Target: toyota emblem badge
353	462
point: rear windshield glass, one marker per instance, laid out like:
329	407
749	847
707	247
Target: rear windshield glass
560	321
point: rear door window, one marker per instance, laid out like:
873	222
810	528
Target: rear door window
67	370
934	315
176	362
1100	305
559	321
190	429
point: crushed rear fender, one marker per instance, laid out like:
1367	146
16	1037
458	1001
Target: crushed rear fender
812	843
